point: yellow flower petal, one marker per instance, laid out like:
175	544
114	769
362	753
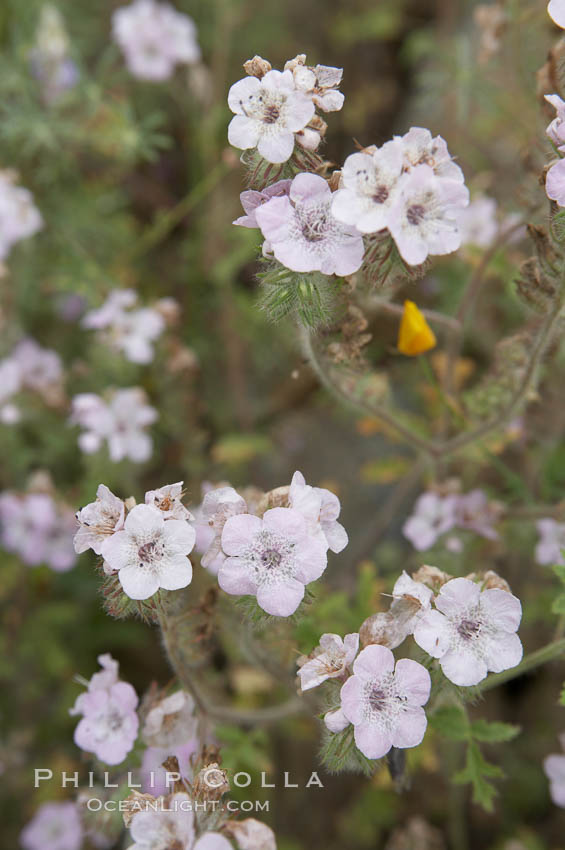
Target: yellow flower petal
415	335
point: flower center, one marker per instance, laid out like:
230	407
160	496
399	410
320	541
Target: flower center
271	114
377	699
415	214
314	223
380	195
271	558
468	629
150	552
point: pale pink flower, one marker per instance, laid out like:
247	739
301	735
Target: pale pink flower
433	515
154	37
39	367
218	505
320	508
384	703
170	729
113	308
251	200
55	826
420	148
271	558
556	129
98	520
554	767
130	331
556	11
551	543
478	223
19	217
471	632
109	723
37	529
150	552
168	500
304	234
153	775
10	384
423	219
474	511
172	825
555	183
268	112
120	422
331	660
368	186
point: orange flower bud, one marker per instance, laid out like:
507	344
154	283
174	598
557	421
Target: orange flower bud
415	335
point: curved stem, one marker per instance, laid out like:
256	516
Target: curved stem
411	437
529	662
205	705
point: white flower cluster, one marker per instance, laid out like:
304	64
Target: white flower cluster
19	217
273	109
154	37
120	421
28	367
126	327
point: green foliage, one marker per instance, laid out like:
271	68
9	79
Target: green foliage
339	754
477	772
310	297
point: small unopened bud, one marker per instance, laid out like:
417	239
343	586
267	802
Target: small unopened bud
136	802
292	64
210	783
431	576
257	67
130	503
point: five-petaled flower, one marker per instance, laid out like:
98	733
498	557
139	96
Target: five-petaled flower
304	234
150	553
271	558
331	660
384	702
170	824
268	112
471	632
99	520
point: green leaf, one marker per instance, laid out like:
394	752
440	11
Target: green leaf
452	722
483	730
559	570
475	773
558	605
339	753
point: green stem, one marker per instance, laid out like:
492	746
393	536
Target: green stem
530	662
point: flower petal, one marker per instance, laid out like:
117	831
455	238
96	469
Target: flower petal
238	532
373	661
235	576
373	741
413	681
138	584
282	598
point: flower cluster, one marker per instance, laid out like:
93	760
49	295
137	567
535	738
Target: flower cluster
437	513
120	421
270	552
275	109
33	368
471	630
125	327
38	529
154	37
19	217
109	723
170	729
172	824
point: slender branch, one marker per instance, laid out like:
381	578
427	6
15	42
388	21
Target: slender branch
412	438
529	662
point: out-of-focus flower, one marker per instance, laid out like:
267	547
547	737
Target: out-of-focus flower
19	217
384	703
330	660
132	331
555	182
419	147
554	767
474	511
268	112
50	61
55	826
98	520
150	552
120	422
368	185
168	500
304	234
38	529
109	723
251	834
10	384
551	543
272	559
556	11
471	632
423	219
154	37
415	335
40	368
433	515
478	223
171	824
170	729
320	508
